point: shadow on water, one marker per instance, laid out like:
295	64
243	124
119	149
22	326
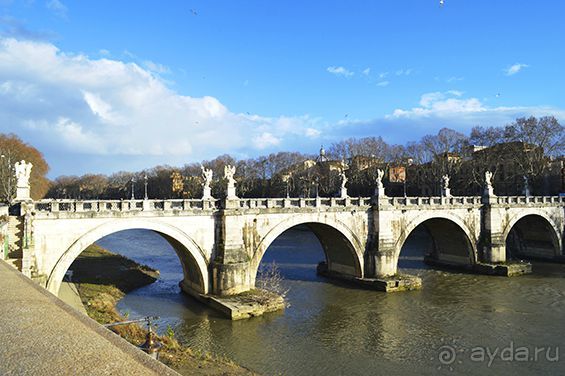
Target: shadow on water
416	246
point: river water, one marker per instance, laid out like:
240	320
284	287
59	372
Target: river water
458	323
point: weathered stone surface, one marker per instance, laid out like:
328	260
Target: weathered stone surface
506	270
236	308
396	283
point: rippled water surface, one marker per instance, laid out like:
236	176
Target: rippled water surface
458	323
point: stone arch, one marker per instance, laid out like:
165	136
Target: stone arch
538	221
190	254
333	236
450	225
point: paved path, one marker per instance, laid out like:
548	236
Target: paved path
41	335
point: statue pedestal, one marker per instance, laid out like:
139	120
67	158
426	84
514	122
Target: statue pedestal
446	192
230	193
489	191
380	192
22	194
488	196
343	193
207	195
146	205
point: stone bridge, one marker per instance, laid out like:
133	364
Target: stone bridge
220	243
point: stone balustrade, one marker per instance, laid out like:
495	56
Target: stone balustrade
80	206
318	202
434	201
522	200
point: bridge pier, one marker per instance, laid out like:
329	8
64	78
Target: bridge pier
381	257
231	278
231	271
494	243
385	263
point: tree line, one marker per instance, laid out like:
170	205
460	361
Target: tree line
523	149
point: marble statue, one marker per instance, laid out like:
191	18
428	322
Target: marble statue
445	181
23	171
488	178
380	175
207	175
229	172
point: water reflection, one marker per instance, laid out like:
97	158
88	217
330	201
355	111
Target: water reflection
332	329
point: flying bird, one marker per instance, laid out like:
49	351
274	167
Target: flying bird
194	12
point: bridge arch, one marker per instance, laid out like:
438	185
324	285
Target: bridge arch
532	232
453	240
342	247
191	256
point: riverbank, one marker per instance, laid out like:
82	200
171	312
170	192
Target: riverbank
103	278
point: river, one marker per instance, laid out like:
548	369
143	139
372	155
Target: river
458	323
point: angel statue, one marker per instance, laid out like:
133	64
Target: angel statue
23	171
488	178
445	181
343	179
229	172
380	174
207	174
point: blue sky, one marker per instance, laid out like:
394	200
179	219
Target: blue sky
103	86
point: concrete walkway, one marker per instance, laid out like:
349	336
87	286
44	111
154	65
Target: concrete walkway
41	335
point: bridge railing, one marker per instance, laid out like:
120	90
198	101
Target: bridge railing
521	200
434	201
122	205
282	203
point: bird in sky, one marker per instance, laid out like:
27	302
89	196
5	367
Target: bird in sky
194	12
441	2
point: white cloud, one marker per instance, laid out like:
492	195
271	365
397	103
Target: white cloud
453	79
513	69
429	98
312	132
440	104
435	111
404	72
57	7
265	140
100	108
71	102
340	71
383	83
366	71
455	111
457	93
156	67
